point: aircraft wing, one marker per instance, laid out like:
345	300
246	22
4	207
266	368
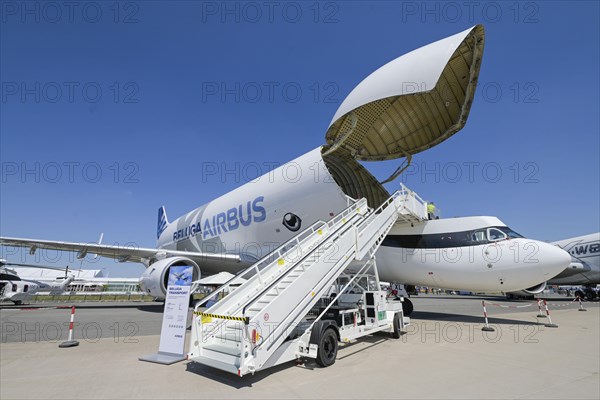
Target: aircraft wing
120	253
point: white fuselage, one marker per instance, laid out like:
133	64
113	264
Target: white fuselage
15	289
585	264
440	253
250	219
259	216
12	288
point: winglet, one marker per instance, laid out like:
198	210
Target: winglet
99	243
162	221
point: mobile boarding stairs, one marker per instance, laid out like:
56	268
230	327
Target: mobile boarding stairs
316	290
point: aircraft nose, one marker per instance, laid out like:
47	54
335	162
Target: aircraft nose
554	260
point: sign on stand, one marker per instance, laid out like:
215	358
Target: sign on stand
172	333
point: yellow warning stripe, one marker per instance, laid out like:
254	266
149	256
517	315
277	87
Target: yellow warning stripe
245	320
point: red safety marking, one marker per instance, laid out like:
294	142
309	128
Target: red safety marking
546	305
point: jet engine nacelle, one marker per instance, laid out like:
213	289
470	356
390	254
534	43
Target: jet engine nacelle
155	278
529	292
576	267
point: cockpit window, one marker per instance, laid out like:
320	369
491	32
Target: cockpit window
479	236
509	232
476	237
8	277
495	234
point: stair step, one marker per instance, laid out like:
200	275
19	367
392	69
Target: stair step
232	338
232	368
221	353
232	351
234	325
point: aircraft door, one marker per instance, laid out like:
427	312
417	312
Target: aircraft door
492	253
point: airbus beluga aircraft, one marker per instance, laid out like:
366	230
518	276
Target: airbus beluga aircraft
405	107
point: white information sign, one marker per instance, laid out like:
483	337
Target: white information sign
172	334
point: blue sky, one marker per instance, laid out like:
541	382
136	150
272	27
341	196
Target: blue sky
109	111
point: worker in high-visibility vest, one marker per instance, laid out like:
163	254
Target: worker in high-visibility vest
431	210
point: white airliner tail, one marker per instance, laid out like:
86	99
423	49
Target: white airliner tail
163	222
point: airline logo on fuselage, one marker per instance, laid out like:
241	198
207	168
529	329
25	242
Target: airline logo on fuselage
226	221
585	249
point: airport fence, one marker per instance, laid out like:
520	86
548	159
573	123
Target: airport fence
99	296
92	297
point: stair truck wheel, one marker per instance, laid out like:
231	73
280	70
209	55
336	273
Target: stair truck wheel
407	307
397	323
328	348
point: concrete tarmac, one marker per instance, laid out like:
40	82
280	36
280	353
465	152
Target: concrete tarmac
120	320
443	355
43	322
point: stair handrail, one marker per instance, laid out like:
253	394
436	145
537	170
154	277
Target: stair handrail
412	193
415	203
322	286
331	223
255	266
365	266
367	222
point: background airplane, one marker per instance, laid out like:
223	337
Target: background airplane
584	268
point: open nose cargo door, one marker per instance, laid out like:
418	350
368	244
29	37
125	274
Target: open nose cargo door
409	105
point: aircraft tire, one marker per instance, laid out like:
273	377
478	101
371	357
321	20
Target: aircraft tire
407	307
590	295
